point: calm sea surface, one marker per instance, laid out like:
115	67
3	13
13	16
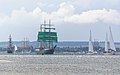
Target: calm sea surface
59	65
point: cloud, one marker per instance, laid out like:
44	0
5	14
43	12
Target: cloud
65	13
22	22
93	16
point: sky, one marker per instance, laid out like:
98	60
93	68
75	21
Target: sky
73	19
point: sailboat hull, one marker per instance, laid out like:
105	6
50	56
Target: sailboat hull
92	53
45	51
10	50
109	53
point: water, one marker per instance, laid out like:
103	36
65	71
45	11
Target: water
59	65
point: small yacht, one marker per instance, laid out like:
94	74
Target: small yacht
109	45
90	48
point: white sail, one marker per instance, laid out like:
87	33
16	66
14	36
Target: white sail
106	43
15	48
90	43
111	41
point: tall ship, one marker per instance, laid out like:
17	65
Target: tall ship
10	48
47	36
25	47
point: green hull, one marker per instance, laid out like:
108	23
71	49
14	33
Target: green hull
45	51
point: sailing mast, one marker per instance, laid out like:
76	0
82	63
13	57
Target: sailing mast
90	43
40	40
10	48
10	41
49	33
44	31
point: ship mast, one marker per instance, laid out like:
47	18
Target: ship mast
40	40
49	32
44	31
10	41
46	28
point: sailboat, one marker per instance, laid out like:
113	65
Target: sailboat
46	36
109	45
90	50
10	48
90	43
